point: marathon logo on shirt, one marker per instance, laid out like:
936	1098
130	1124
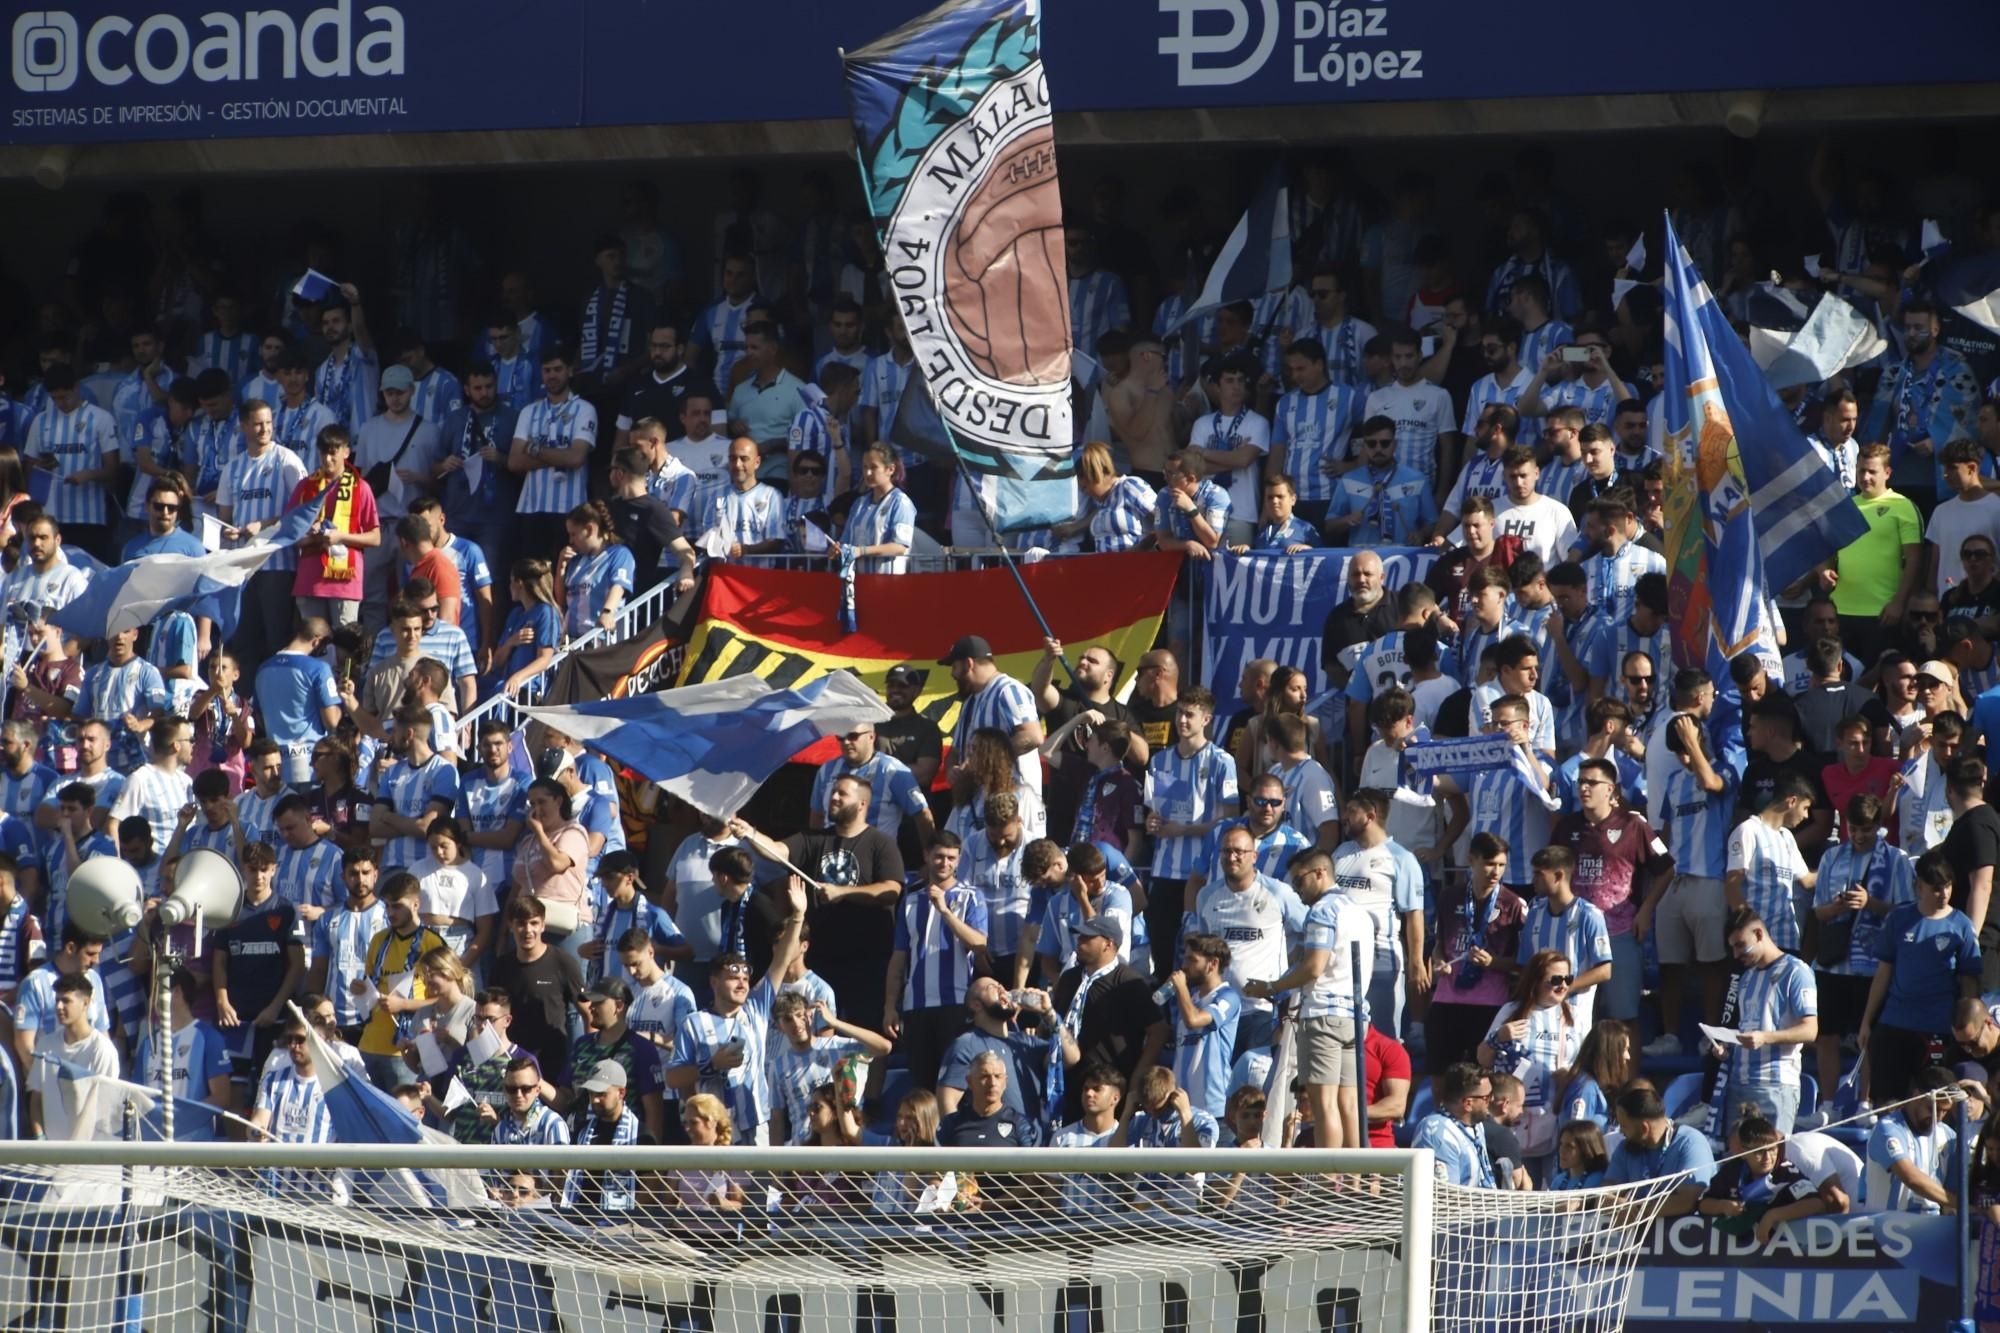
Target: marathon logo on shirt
1217	43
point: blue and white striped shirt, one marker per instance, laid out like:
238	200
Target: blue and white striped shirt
1007	891
518	382
298	1112
444	642
1508	803
1891	1141
233	354
676	483
298	428
1334	925
310	877
486	806
1771	999
258	489
589	580
1597	403
940	964
109	693
1697	831
873	522
1121	519
341	937
1314	429
1614	579
882	386
1604	655
408	789
1097	305
1188	789
1460	1150
612	923
892	787
1538	343
755	515
1886	872
720	329
263	387
1210	501
155	434
79	441
35	1007
746	1089
214	441
1771	864
1579	934
1168	315
1062	918
1275	850
542	1127
1203	1057
547	426
795	1073
1396	503
1487	389
128	399
1003	704
158	797
1343	343
437	395
1559	478
349	386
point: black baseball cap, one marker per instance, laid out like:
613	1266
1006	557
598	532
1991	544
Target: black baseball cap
970	645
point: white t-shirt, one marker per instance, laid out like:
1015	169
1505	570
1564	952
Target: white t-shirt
462	892
1951	523
1214	430
708	459
65	1116
1544	525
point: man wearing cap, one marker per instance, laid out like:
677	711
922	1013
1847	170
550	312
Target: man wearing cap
990	698
603	826
722	1049
909	736
611	1042
606	1122
395	451
892	788
625	908
1106	1009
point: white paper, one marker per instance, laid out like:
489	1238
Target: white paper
430	1055
1635	258
402	985
714	543
1620	286
1812	266
475	471
211	530
368	998
1932	238
456	1096
812	538
937	1197
718	421
1720	1036
485	1044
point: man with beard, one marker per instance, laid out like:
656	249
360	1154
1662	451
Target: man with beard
856	874
1088	696
1484	473
1365	616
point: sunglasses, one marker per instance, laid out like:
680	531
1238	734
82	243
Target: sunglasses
1557	982
1266	803
1389	443
810	471
166	509
296	1039
1634	680
430	612
516	1089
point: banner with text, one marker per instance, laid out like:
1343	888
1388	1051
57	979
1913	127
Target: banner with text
1461	757
1268	604
187	69
1886	1270
783	625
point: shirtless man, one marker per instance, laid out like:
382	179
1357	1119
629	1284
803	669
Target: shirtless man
1144	415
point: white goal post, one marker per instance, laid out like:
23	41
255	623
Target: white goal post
181	1237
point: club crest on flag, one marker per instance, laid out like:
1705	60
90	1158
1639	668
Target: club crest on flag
957	149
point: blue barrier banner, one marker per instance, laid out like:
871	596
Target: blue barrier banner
117	70
1269	604
1890	1270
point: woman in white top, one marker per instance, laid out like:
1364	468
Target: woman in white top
457	898
1533	1037
448	1002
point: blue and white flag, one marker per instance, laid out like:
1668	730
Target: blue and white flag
1971	286
1748	499
315	286
1257	257
956	143
1833	338
713	744
134	594
1461	756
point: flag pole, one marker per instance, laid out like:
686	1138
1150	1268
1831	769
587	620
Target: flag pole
958	459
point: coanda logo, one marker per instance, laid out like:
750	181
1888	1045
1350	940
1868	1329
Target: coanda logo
50	51
1199	56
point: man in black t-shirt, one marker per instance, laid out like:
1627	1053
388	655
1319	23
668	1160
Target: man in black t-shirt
983	1119
909	736
645	523
1155	698
1772	729
543	984
1973	848
259	963
658	393
857	875
1089	691
1365	616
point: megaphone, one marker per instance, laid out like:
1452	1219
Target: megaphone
105	896
205	882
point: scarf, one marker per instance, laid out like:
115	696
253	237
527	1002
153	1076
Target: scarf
850	622
336	515
336	388
614	330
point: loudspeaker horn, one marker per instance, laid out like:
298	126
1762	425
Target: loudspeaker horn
104	896
208	883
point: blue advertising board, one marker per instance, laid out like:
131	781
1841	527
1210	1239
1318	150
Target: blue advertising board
112	70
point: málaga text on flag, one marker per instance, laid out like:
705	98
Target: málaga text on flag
1461	756
715	743
957	154
782	625
1257	257
1748	499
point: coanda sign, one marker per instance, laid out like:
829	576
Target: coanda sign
52	51
1219	43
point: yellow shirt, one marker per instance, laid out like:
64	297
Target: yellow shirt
389	956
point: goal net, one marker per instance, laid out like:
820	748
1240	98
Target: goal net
180	1238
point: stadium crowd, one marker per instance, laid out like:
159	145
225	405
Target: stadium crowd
1085	917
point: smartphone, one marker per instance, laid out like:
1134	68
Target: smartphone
1577	355
1428	347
